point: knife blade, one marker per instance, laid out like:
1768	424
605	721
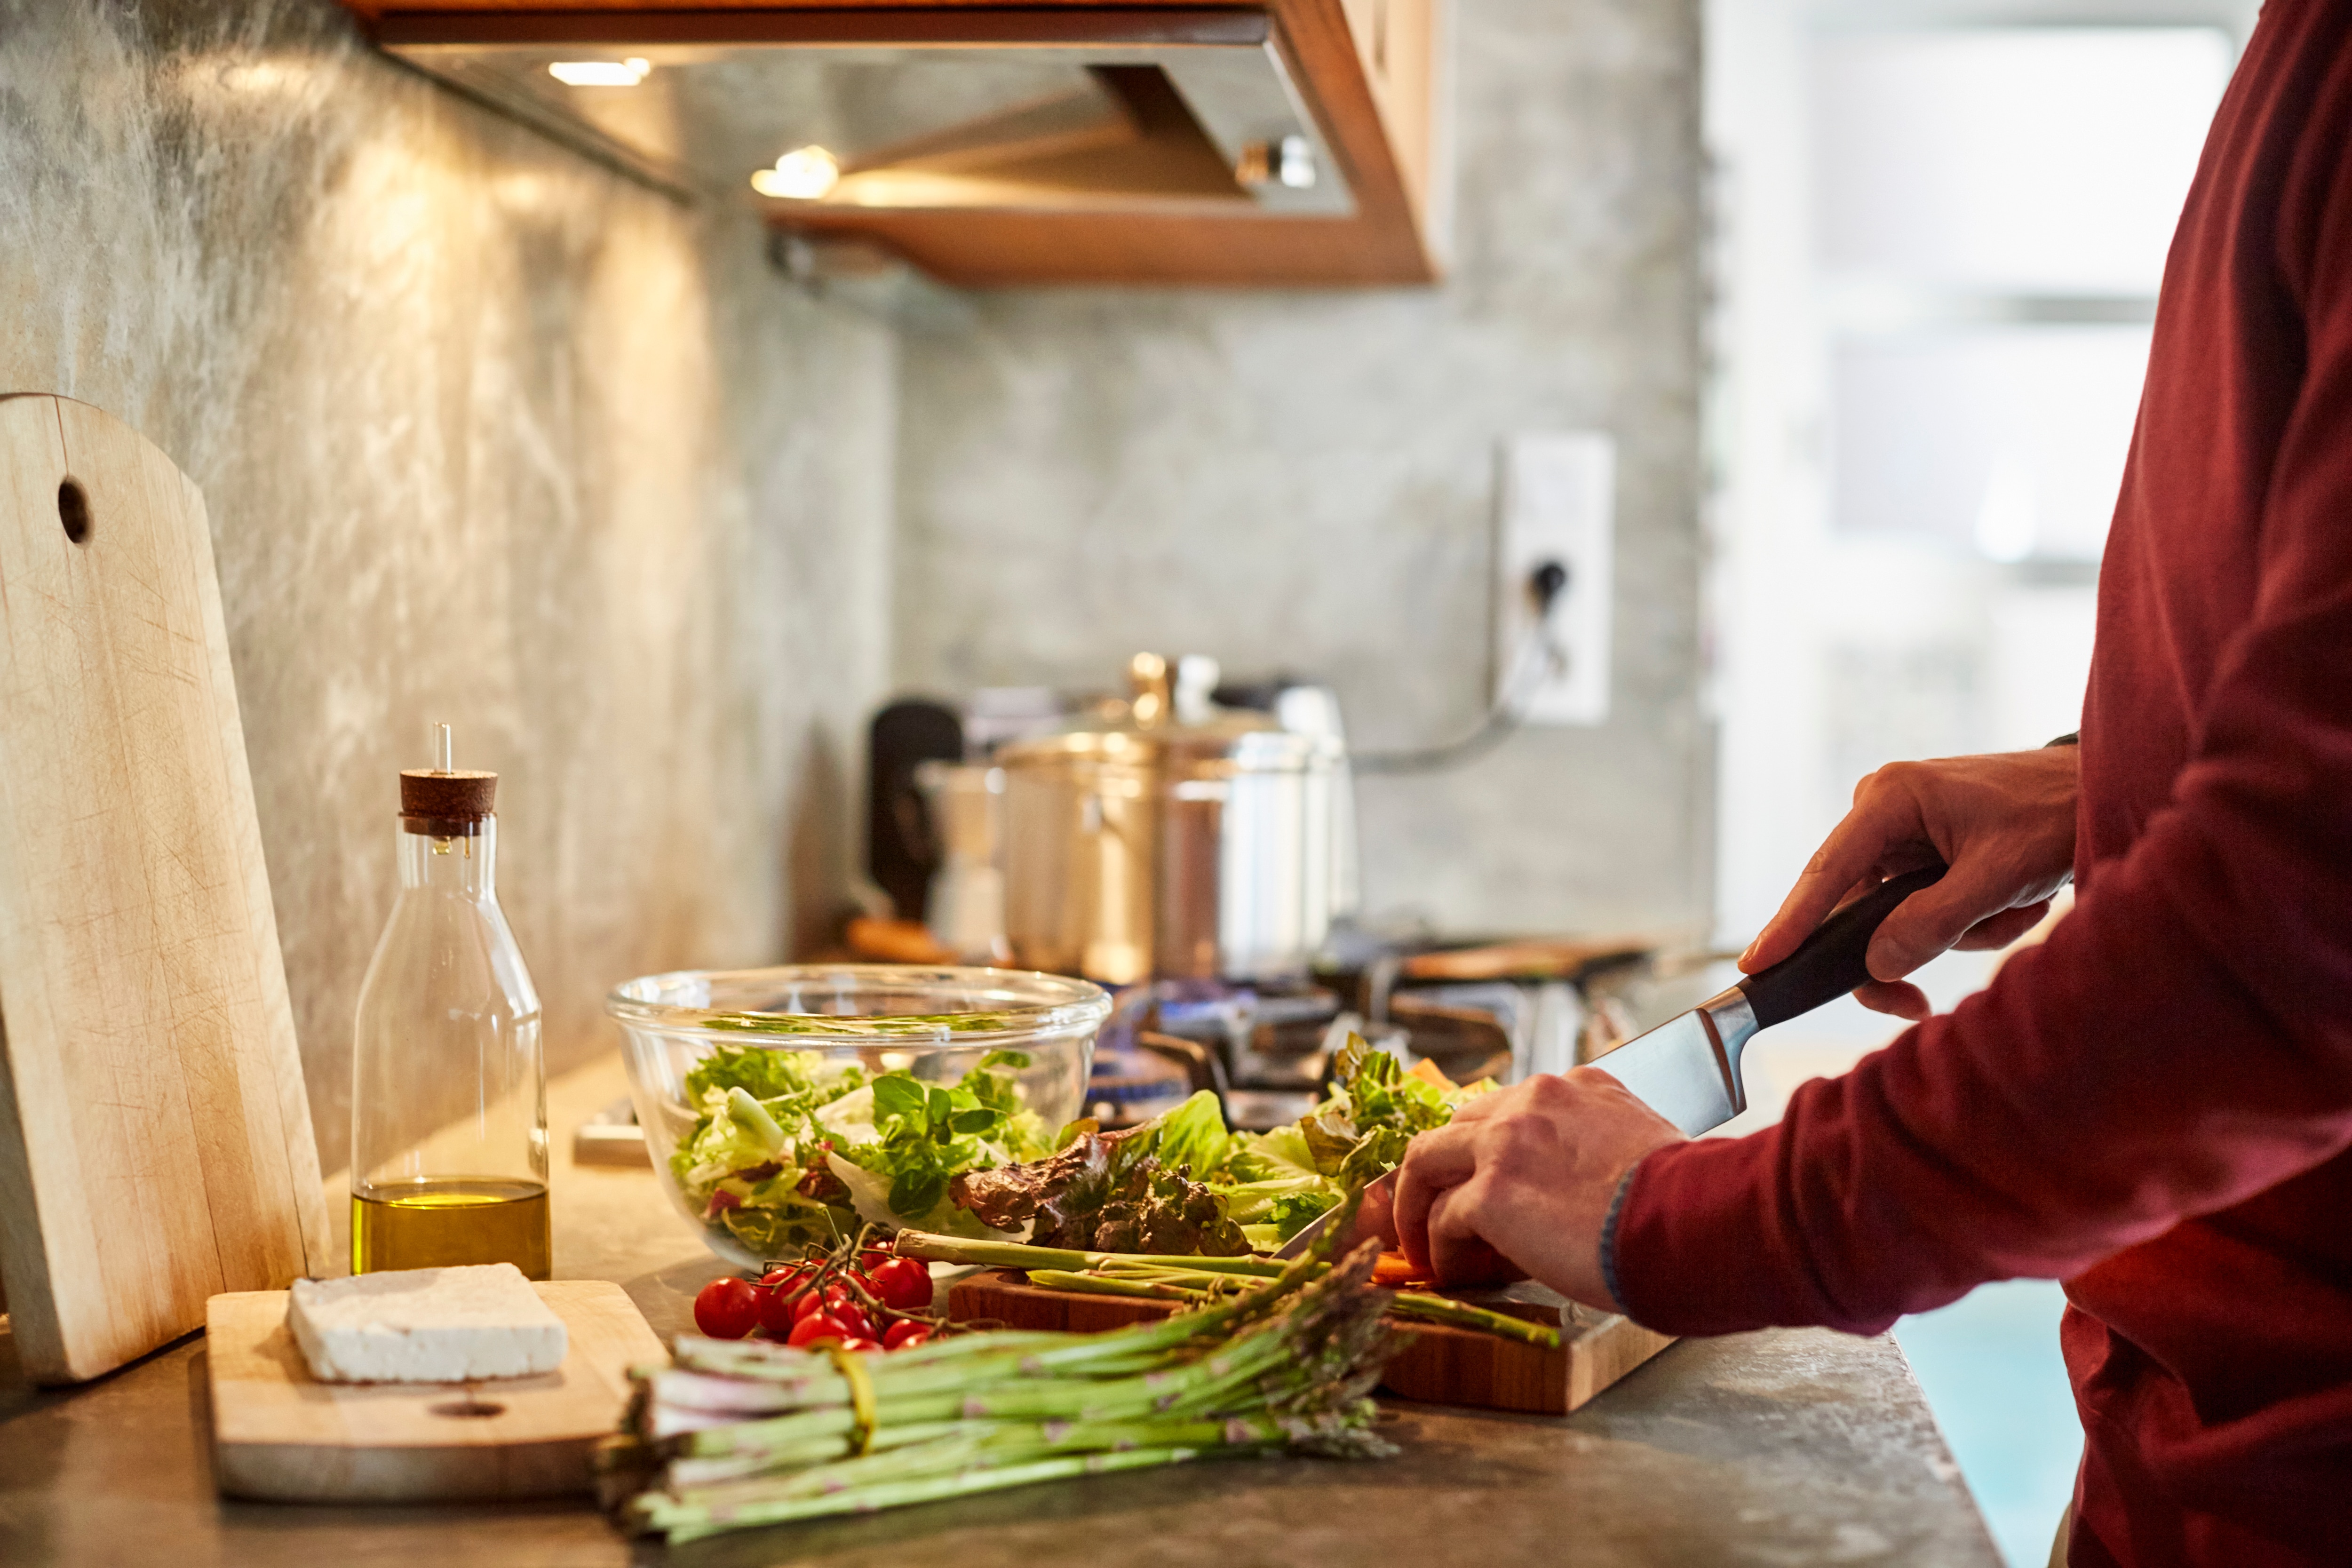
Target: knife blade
1377	1195
1687	1069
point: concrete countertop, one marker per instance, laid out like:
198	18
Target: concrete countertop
1780	1448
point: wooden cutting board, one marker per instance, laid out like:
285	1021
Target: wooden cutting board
1444	1365
280	1436
154	1135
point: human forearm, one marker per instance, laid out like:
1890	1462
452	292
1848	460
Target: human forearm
2170	1050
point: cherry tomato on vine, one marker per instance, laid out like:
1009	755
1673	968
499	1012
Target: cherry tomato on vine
727	1309
832	1296
777	1302
903	1285
906	1334
815	1327
855	1344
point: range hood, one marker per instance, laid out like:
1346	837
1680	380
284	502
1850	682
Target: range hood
806	112
1294	143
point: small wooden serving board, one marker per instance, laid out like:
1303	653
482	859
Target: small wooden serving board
281	1436
1444	1365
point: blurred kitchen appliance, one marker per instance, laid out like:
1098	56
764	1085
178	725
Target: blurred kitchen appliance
1303	707
965	908
902	851
1172	838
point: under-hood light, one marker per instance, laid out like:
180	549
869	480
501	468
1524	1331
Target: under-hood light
801	175
601	73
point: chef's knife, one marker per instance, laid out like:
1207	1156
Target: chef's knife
1376	1197
1687	1069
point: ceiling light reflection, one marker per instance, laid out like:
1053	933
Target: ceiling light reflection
601	73
802	174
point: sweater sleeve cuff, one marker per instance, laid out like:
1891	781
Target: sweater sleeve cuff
1696	1244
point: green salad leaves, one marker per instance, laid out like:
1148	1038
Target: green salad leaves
788	1148
1274	1183
1181	1182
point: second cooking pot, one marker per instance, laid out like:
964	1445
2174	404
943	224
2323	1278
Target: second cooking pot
1173	839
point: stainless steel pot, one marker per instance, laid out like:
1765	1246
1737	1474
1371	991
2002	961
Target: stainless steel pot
1173	839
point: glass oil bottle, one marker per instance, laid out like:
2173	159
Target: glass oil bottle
449	1086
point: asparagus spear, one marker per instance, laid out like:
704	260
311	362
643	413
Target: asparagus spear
1183	1279
933	1248
740	1434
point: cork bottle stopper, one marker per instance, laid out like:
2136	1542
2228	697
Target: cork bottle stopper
426	792
446	802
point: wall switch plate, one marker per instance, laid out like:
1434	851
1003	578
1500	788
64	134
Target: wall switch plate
1558	505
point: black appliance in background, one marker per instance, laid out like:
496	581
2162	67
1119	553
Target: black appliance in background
902	850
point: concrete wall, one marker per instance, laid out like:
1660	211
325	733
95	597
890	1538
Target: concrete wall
1306	482
486	436
491	436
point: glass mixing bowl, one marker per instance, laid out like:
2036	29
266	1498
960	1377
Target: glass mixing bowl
938	1024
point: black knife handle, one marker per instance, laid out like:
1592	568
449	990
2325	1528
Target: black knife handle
1829	964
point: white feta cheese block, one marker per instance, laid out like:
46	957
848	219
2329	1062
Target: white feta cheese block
425	1325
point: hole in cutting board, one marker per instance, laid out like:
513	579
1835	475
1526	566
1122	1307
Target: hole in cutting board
470	1406
73	511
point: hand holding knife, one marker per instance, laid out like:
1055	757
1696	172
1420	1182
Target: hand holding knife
1685	1073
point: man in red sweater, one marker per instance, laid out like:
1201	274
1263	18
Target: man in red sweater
2154	1106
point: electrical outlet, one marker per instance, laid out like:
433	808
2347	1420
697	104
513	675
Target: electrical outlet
1559	500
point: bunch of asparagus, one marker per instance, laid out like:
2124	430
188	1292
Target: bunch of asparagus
1190	1279
742	1433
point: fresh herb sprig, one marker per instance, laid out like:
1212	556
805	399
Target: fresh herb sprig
930	1133
789	1151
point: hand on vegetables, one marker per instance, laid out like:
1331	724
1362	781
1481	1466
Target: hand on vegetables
1520	1182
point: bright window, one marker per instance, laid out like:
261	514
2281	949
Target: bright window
2035	161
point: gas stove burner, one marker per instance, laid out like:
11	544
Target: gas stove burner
1261	1049
1128	1087
1266	1050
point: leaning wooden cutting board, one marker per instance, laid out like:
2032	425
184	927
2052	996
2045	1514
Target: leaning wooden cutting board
278	1435
154	1135
1444	1365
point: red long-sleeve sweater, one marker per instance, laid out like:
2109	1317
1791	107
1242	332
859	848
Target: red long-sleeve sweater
2155	1106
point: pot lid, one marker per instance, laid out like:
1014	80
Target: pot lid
1169	720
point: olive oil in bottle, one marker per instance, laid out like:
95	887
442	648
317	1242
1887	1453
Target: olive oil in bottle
448	1087
430	1223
